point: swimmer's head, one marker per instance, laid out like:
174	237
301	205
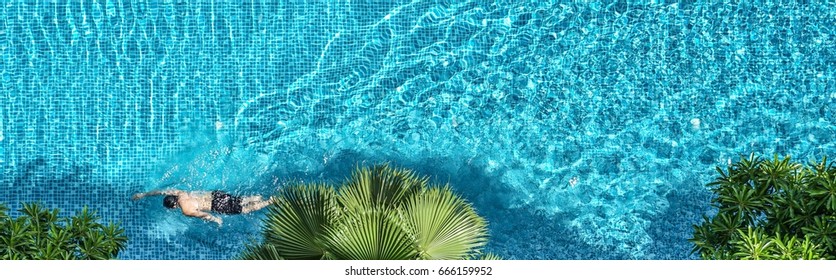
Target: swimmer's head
170	201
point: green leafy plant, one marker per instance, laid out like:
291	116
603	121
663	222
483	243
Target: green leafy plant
379	213
40	234
770	210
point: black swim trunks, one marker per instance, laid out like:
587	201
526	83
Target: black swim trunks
225	203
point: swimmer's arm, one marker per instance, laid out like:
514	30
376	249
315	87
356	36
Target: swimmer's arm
158	192
205	216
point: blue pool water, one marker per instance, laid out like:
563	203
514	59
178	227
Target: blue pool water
580	130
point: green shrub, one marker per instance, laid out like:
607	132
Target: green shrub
379	213
40	234
771	209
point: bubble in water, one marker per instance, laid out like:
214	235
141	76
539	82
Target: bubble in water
695	123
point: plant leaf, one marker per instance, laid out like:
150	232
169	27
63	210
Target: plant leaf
444	225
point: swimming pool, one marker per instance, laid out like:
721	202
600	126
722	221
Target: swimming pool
580	130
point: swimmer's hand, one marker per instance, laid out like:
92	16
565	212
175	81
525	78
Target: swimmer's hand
137	196
203	215
217	220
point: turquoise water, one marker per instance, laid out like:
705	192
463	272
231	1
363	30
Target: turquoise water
580	130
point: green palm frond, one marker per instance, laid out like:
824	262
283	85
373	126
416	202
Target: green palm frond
753	245
802	212
771	209
791	248
725	225
705	239
742	200
777	174
823	189
297	222
42	235
444	225
381	187
809	250
822	167
746	171
3	210
785	247
823	231
372	235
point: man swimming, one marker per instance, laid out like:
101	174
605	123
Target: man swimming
198	203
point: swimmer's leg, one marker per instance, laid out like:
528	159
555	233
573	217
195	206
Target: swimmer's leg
254	206
251	199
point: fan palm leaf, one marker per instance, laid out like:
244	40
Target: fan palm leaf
444	225
371	235
298	220
380	187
